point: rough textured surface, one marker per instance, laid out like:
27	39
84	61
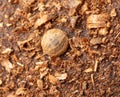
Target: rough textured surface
89	68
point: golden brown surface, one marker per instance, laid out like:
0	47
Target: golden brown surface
90	67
